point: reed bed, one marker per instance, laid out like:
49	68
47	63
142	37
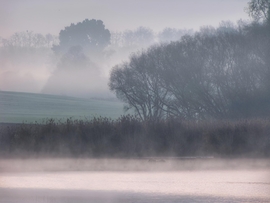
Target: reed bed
128	136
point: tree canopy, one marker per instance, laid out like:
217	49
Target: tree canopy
89	34
216	73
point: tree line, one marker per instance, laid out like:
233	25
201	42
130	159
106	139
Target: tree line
92	36
217	73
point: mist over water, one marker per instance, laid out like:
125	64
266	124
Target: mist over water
137	180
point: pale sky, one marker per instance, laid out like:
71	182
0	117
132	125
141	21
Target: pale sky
50	16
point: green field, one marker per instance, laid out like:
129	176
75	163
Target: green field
18	107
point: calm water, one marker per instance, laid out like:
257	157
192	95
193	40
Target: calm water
182	186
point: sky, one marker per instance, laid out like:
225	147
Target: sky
50	16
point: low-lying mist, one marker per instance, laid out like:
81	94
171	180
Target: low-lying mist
132	164
31	62
24	69
78	81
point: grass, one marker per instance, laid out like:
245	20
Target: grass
28	107
94	128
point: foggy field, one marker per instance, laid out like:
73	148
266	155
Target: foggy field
28	107
134	180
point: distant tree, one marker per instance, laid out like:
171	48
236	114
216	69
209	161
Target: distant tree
140	37
74	58
51	40
26	49
117	39
89	34
123	44
172	34
29	39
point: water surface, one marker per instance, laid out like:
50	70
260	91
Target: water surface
89	180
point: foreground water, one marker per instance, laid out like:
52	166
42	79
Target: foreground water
251	184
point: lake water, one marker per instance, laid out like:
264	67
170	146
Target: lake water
211	185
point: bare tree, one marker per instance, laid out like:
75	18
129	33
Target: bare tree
216	73
137	84
259	9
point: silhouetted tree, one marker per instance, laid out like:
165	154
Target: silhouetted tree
89	34
216	73
137	84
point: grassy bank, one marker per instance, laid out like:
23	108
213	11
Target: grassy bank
129	137
18	107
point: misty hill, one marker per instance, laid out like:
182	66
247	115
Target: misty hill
16	107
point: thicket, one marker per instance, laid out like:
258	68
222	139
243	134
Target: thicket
131	137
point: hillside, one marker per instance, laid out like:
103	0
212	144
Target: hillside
16	107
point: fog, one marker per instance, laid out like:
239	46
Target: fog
24	76
80	80
194	73
29	63
134	180
143	164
